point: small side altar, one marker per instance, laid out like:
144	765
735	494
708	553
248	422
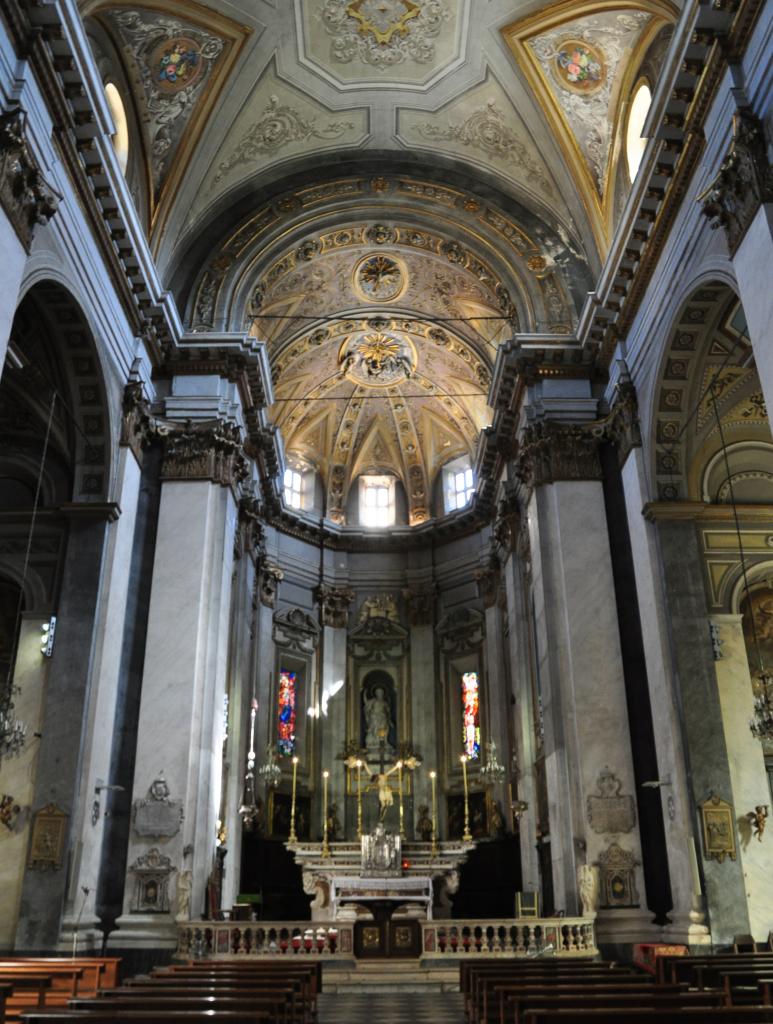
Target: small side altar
420	884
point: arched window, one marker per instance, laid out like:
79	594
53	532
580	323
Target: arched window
120	136
637	115
458	484
293	484
377	500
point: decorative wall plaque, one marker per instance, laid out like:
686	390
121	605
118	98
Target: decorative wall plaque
718	829
151	890
609	811
618	883
47	842
157	815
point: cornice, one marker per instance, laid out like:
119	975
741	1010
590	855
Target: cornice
701	512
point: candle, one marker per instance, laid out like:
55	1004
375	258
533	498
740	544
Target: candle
400	784
467	835
359	799
293	836
325	847
433	776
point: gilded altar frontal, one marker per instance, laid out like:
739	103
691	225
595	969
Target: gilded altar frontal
386	500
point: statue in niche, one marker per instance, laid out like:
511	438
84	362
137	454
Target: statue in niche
424	824
377	713
588	887
184	886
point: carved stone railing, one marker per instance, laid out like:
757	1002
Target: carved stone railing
440	940
535	937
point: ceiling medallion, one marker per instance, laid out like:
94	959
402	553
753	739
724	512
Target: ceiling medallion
380	278
383	18
176	64
579	66
377	360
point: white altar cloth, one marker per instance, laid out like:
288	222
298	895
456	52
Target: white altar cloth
413	889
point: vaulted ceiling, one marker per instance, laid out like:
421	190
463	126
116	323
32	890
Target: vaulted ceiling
381	189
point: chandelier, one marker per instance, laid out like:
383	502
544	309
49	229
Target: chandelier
269	771
492	771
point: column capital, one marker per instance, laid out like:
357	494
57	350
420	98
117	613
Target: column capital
551	451
420	599
270	576
250	536
26	197
488	580
743	183
508	525
334	604
138	427
205	451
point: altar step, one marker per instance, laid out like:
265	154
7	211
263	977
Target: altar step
389	976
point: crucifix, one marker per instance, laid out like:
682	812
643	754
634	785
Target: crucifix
381	777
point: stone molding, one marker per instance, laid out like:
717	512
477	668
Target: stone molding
488	580
295	630
138	427
420	601
551	451
334	604
743	183
461	631
250	536
509	524
26	197
621	427
207	451
379	639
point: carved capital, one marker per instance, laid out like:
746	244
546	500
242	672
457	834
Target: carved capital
488	578
207	451
743	183
138	428
249	531
334	604
270	577
420	601
25	196
508	524
621	427
553	451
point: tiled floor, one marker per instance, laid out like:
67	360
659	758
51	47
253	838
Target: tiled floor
394	1008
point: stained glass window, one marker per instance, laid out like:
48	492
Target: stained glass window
471	714
286	724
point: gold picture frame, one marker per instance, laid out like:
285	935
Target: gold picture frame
718	829
47	839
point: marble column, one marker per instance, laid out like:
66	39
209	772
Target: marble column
679	822
59	766
90	819
748	777
181	724
587	738
332	719
700	711
497	697
420	598
521	665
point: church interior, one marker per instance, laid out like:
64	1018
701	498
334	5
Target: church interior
386	505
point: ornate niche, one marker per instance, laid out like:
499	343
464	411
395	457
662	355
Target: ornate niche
151	871
379	699
618	877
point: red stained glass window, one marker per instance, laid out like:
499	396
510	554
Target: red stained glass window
471	714
288	693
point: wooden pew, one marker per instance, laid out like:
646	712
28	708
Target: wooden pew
106	1016
512	1001
292	992
618	1002
488	993
691	1015
279	1002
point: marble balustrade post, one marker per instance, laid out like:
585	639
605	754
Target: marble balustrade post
748	776
700	710
181	724
581	670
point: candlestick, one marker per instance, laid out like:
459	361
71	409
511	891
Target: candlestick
325	847
293	837
467	835
400	784
433	776
359	799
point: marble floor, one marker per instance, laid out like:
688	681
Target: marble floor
393	1008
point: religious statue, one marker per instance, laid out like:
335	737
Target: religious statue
381	778
424	824
379	606
588	887
496	821
184	885
333	823
378	718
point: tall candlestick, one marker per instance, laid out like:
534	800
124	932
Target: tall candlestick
433	776
467	835
359	799
293	836
325	847
400	784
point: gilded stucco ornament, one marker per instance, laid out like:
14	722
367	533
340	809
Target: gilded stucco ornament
377	359
384	33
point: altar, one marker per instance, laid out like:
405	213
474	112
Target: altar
381	896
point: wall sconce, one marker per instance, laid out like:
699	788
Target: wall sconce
47	630
98	788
